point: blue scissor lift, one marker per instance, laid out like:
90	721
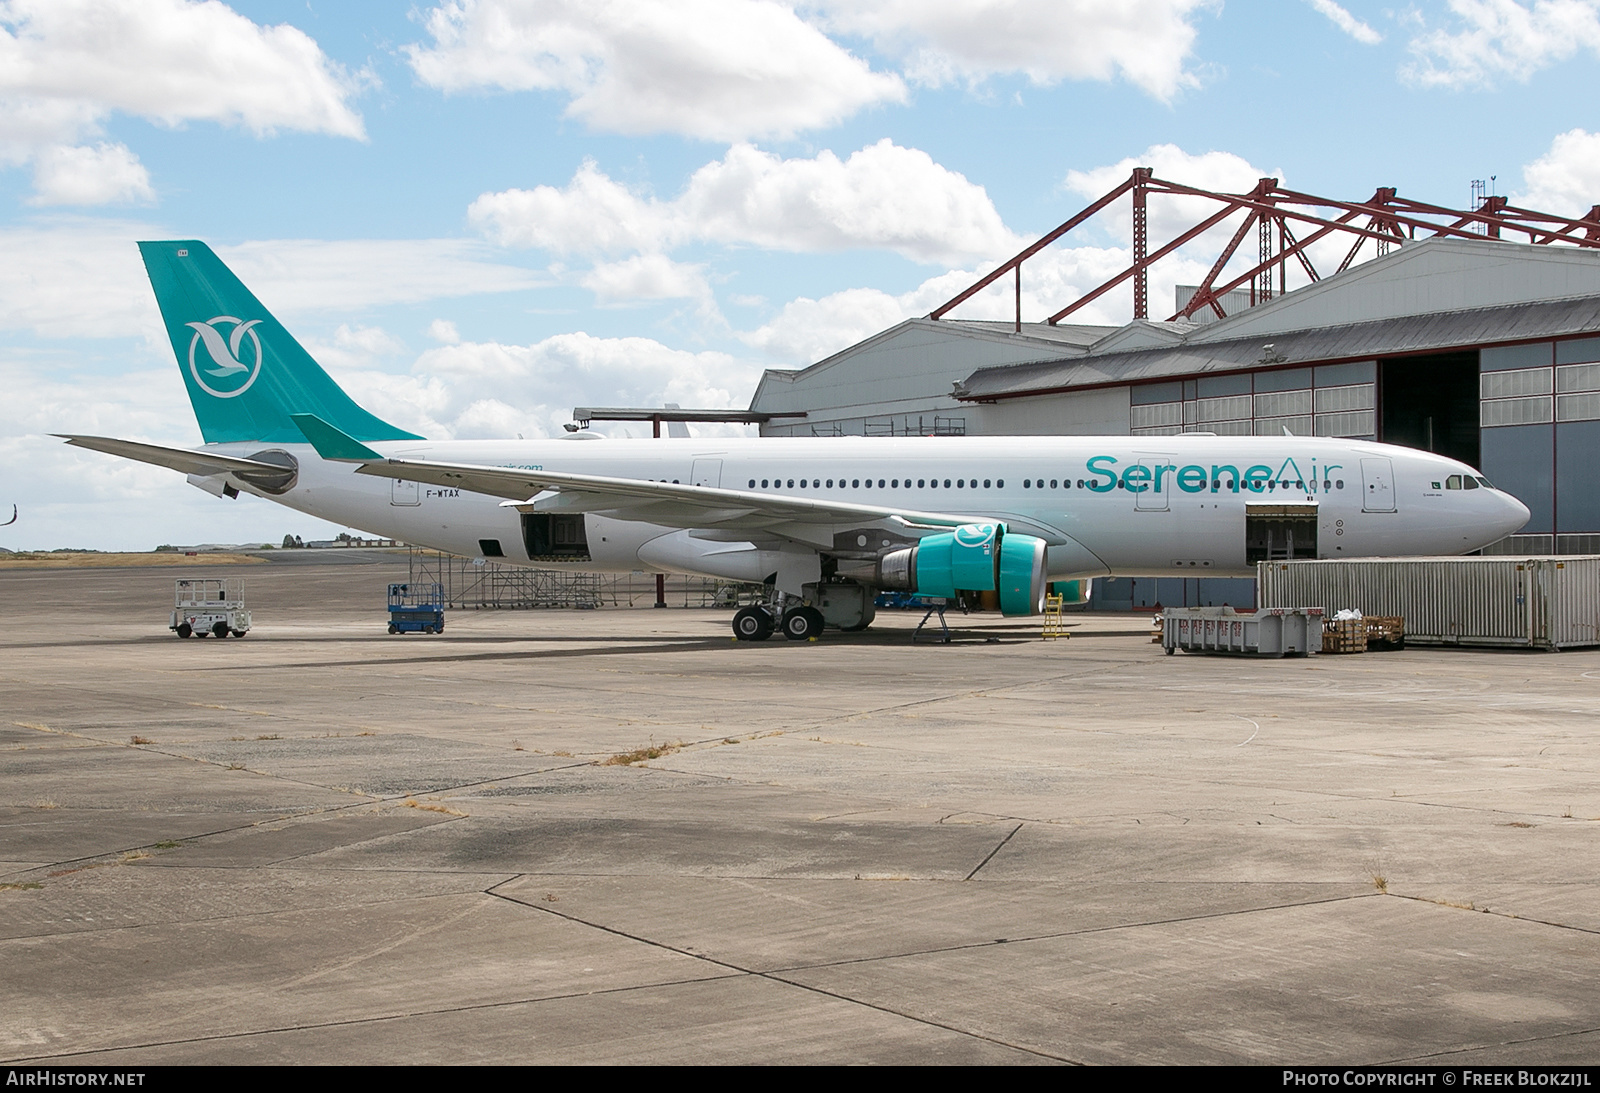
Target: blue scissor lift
416	608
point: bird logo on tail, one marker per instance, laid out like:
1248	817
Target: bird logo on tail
226	362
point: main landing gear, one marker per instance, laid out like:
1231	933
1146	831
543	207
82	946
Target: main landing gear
797	624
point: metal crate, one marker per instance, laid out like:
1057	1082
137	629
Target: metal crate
1269	632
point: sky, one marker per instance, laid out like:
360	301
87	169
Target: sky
479	214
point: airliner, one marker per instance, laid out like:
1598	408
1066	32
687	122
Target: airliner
826	523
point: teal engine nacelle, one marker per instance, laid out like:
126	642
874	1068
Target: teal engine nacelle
972	558
1072	592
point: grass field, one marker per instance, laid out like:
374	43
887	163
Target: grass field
90	560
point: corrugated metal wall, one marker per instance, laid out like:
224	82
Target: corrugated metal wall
1542	603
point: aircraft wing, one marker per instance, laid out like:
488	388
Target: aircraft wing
178	459
669	504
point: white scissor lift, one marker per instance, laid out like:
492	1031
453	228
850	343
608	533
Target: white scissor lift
210	605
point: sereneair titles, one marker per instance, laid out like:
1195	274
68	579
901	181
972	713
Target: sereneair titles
1139	477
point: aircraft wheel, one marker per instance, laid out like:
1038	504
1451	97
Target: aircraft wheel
802	624
184	629
220	629
752	624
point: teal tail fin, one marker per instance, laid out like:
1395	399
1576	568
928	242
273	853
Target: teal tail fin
246	376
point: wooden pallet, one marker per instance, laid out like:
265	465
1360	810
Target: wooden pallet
1385	632
1344	636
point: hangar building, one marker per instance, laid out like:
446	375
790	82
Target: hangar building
1478	348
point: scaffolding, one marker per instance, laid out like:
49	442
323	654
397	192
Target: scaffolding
937	426
480	584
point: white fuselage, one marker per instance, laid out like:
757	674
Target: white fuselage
1124	506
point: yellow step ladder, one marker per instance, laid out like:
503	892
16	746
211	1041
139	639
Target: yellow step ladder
1055	623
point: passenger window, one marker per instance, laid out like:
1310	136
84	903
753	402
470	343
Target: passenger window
791	483
752	483
946	483
961	483
763	483
985	483
921	483
855	484
999	483
880	483
1024	483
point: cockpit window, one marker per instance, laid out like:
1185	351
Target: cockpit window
1453	482
1469	482
1485	483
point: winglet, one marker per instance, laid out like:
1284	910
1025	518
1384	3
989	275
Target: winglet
332	444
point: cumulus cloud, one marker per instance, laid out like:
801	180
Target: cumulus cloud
645	277
466	390
882	197
487	389
444	332
99	175
1146	42
1169	215
1566	179
714	69
305	275
1495	39
806	330
75	277
72	497
67	65
1346	22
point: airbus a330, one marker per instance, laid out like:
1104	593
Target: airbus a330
826	522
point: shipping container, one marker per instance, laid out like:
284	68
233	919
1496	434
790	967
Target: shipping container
1535	603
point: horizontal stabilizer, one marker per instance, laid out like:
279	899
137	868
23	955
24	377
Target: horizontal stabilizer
178	459
330	443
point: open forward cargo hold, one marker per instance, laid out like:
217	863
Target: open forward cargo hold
1532	603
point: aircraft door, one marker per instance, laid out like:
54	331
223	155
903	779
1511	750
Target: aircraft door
404	492
1153	498
1377	485
707	472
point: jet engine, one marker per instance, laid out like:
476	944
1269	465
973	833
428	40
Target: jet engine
1072	592
972	558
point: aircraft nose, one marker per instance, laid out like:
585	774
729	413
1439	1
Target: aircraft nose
1515	514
